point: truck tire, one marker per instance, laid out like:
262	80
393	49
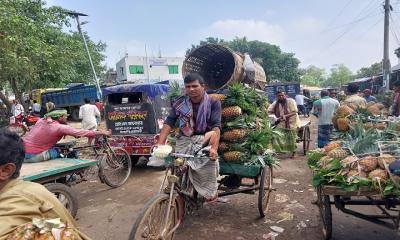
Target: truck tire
75	114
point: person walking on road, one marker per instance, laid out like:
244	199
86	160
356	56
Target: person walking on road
324	109
36	108
100	107
89	114
300	100
17	108
285	109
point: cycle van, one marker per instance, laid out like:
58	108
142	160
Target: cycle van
135	114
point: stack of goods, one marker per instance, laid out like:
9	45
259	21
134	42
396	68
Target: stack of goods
360	159
347	115
246	133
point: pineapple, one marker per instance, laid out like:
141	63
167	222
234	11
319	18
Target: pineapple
332	145
343	124
380	126
338	153
234	135
379	105
232	156
344	111
216	96
387	158
352	106
325	161
231	112
378	174
354	173
369	163
349	161
374	110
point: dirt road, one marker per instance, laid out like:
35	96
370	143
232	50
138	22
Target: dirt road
110	213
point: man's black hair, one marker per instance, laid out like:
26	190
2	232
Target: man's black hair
324	93
191	77
87	100
352	88
34	101
12	150
280	91
97	100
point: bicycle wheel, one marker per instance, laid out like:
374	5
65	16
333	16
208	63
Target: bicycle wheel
306	139
326	213
150	223
115	167
66	195
265	189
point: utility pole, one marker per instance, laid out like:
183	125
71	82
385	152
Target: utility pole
386	60
96	80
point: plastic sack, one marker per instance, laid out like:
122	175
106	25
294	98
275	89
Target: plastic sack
155	161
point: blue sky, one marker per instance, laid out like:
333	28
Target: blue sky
319	32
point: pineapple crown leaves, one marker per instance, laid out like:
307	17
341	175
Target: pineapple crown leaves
174	90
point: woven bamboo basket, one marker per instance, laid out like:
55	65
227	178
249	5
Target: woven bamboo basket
220	66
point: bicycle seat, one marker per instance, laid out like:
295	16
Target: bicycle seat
69	144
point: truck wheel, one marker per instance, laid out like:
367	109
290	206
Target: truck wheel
75	114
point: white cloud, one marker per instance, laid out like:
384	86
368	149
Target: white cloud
250	28
307	25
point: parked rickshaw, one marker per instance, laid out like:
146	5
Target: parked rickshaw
135	114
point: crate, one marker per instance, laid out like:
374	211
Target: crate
227	168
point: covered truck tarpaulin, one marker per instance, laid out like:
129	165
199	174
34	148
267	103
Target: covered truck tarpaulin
152	90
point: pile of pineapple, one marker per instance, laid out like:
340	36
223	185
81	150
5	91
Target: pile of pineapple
349	114
360	159
245	129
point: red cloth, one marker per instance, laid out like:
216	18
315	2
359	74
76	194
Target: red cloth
99	106
47	132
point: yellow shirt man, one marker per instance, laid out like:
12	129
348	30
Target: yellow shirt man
21	201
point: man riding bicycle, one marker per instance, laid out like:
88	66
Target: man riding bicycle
40	140
199	121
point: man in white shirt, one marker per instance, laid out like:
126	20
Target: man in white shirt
17	108
88	114
300	98
36	108
324	109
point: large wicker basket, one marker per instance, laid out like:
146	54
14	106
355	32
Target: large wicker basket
220	66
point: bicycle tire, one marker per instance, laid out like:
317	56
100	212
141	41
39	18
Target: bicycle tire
142	223
66	195
108	162
265	189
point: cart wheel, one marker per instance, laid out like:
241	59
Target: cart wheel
306	139
66	195
115	167
265	189
324	205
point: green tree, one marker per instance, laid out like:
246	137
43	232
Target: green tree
278	65
370	71
36	53
313	76
339	75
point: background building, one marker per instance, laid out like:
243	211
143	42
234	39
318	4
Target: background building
149	69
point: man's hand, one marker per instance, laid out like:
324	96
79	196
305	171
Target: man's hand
213	154
106	133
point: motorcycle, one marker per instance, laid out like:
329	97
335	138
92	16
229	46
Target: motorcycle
21	124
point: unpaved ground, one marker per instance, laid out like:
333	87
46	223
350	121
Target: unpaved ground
110	213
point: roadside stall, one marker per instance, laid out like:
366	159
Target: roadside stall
135	114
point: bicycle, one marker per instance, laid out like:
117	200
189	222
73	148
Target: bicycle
114	163
164	213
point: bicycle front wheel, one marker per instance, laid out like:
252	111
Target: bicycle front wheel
115	167
151	224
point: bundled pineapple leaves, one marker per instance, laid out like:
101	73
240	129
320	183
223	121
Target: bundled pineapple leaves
246	132
358	161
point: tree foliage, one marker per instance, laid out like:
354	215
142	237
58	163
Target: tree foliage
278	65
313	76
339	76
35	52
370	71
